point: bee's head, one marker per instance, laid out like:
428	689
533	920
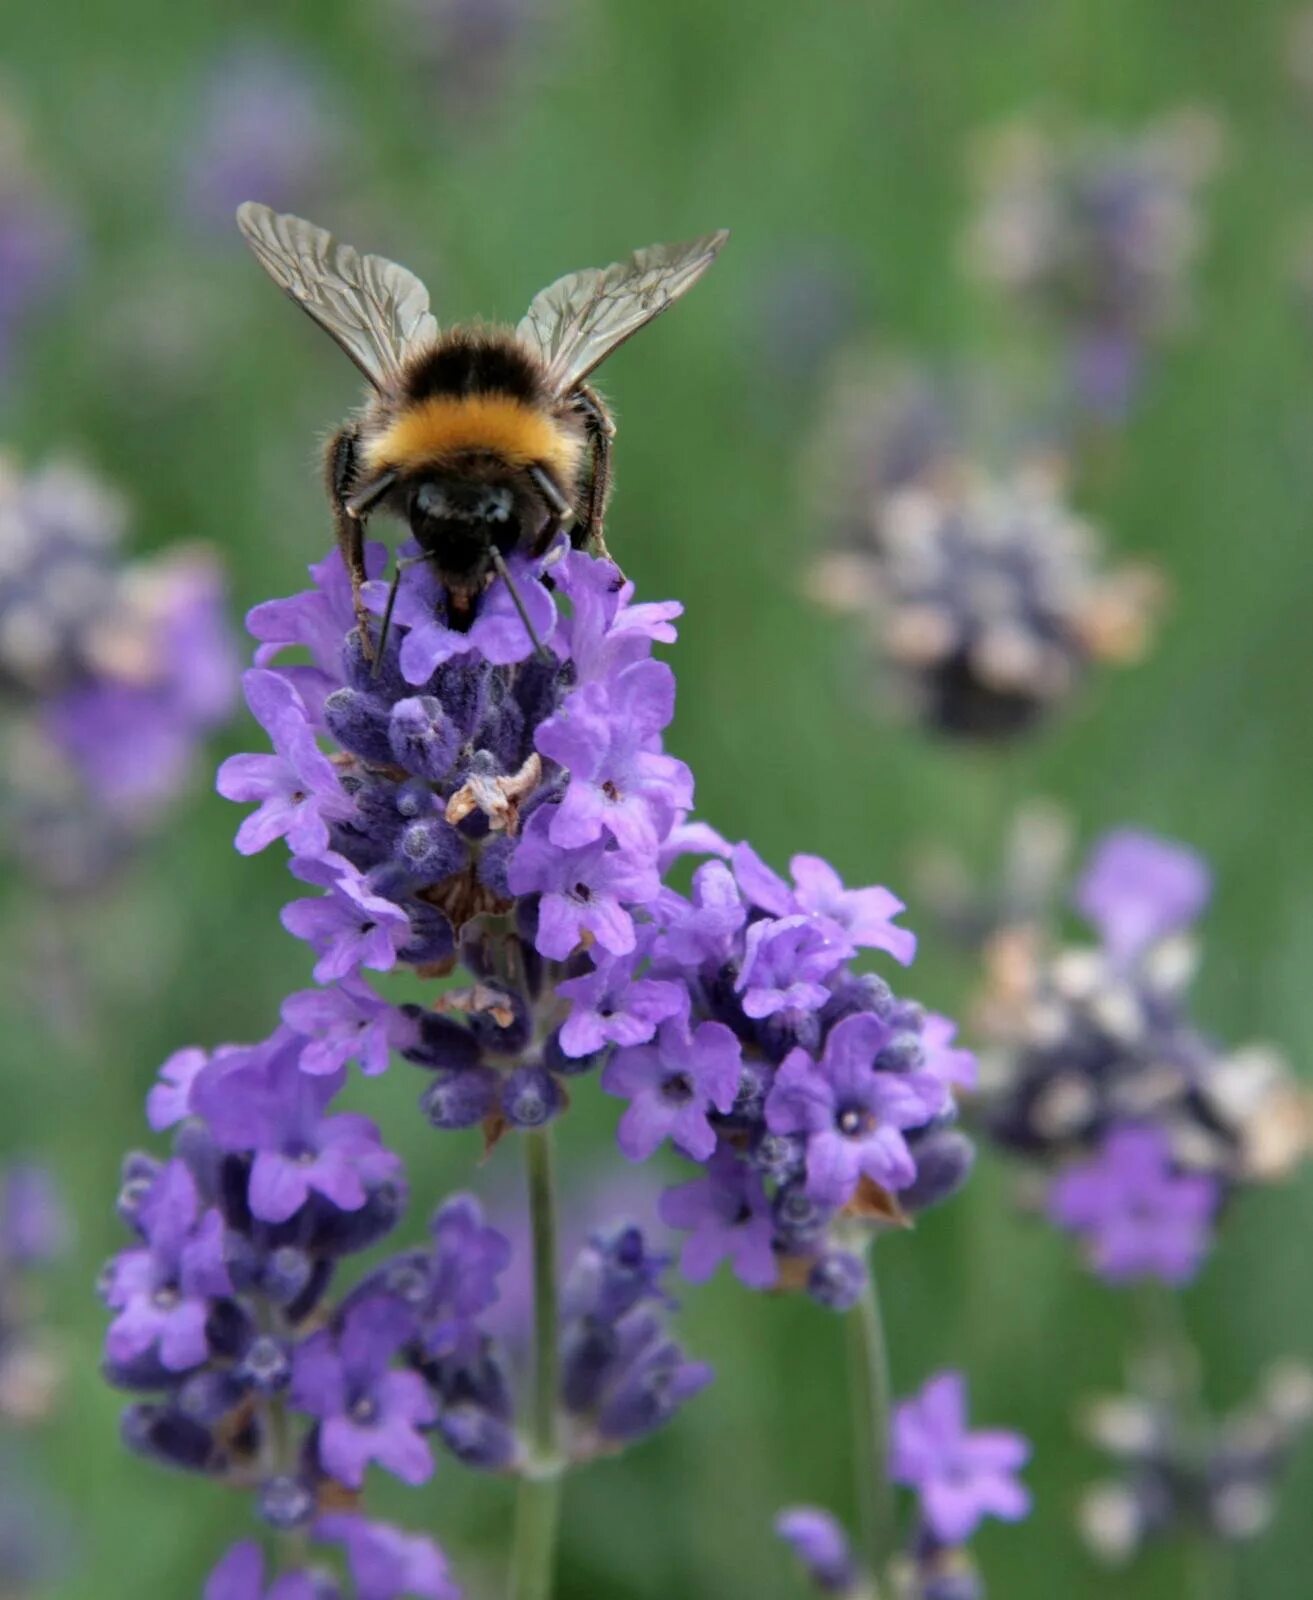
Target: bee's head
460	521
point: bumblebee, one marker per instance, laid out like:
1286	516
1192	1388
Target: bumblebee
486	440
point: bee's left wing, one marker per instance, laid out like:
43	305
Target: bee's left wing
580	319
377	311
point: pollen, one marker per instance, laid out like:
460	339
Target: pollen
435	431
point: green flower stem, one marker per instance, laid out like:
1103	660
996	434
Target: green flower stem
869	1398
537	1511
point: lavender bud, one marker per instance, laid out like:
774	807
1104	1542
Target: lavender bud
837	1280
359	723
442	1043
903	1053
162	1434
431	849
944	1159
286	1503
208	1397
476	1438
266	1367
531	1097
799	1220
422	738
460	1099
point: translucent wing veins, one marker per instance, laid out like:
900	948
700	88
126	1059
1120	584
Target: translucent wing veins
377	311
576	322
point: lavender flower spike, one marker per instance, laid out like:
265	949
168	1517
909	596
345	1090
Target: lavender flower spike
1137	889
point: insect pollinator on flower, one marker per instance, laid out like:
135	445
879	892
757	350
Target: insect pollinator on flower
486	440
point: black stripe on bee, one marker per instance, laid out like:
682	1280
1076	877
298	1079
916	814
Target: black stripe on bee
474	363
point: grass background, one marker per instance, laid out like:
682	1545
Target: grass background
833	132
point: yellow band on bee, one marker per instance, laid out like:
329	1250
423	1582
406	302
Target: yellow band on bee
431	432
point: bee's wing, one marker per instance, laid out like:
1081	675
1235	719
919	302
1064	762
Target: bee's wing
577	322
376	310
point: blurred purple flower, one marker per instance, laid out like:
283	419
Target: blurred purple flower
1137	889
241	1576
266	129
387	1564
728	1217
34	1224
960	1477
1139	1217
262	1101
161	1291
820	1544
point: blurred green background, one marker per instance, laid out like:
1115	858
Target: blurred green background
828	133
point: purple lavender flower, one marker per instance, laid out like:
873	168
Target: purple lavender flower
241	1576
1137	889
347	1022
462	1276
610	1006
1139	1216
820	1544
386	1563
584	892
349	927
265	129
262	1101
297	786
728	1217
945	1060
367	1410
703	929
607	737
497	634
852	1113
785	963
161	1291
866	916
960	1477
672	1085
170	1100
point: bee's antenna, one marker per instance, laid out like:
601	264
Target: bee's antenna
504	573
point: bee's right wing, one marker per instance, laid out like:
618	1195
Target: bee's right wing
376	310
576	322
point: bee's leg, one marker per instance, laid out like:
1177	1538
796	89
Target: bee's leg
341	466
588	532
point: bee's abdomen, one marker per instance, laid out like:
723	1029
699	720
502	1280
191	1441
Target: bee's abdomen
476	363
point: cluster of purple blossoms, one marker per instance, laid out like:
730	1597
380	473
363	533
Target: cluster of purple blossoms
1182	1473
513	810
959	1478
473	54
34	1231
266	127
111	673
38	241
985	598
258	1370
1099	1072
1097	234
